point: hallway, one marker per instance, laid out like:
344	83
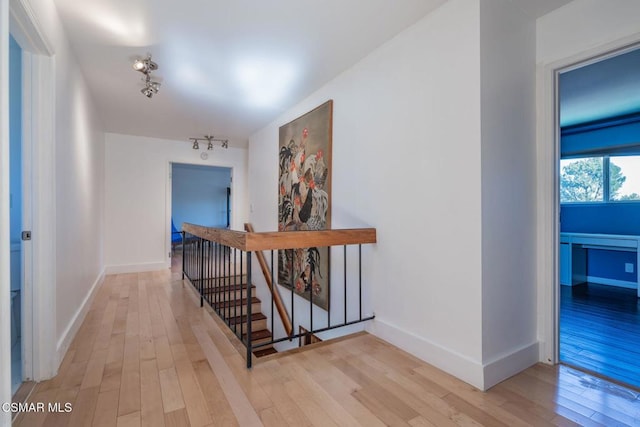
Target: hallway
145	352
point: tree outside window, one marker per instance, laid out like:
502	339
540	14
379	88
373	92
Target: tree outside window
599	179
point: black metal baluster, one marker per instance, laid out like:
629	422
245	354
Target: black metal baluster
228	278
329	295
311	300
360	277
249	326
345	283
201	272
183	254
242	253
236	301
292	287
273	289
215	277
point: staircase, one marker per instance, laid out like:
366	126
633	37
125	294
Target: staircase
231	306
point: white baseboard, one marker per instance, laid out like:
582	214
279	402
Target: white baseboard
505	366
470	371
70	332
612	282
450	361
135	268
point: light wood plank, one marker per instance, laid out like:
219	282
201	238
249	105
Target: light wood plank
95	369
172	399
151	395
193	397
129	420
177	418
164	357
219	408
106	413
84	407
130	380
240	405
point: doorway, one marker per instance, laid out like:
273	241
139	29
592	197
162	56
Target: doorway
200	195
599	235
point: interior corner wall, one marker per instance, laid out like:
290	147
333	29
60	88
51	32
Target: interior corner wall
79	182
509	340
137	189
406	160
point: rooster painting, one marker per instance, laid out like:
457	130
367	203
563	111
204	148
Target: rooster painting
304	200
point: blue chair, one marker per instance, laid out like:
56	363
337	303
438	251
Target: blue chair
176	236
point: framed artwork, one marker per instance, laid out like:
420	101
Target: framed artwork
304	200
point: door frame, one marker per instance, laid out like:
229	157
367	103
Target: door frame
548	210
39	290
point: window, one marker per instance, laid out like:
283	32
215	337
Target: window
624	178
600	179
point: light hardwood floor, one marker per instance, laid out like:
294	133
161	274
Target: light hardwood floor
147	354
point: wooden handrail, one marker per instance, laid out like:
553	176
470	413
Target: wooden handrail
282	239
282	311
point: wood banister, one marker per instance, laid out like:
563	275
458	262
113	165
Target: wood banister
282	311
283	239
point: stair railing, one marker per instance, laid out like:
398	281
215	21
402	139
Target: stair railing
268	277
218	264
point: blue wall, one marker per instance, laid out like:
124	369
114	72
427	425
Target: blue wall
604	218
199	195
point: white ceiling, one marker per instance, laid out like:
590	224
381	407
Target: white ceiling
230	67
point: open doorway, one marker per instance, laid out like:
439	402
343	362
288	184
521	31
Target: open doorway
599	188
200	195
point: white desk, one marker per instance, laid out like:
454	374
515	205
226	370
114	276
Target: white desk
573	253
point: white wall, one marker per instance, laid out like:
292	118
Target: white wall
581	30
76	187
509	339
79	183
585	25
406	160
138	197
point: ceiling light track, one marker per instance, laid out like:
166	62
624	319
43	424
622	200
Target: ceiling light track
210	139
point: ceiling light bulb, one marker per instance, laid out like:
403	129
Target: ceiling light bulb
139	65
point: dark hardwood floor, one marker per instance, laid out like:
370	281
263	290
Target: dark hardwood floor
600	330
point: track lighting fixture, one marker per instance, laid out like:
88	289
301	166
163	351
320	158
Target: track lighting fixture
146	66
224	143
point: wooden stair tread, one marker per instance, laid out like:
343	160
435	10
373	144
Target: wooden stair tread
228	288
264	351
258	335
234	302
243	318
